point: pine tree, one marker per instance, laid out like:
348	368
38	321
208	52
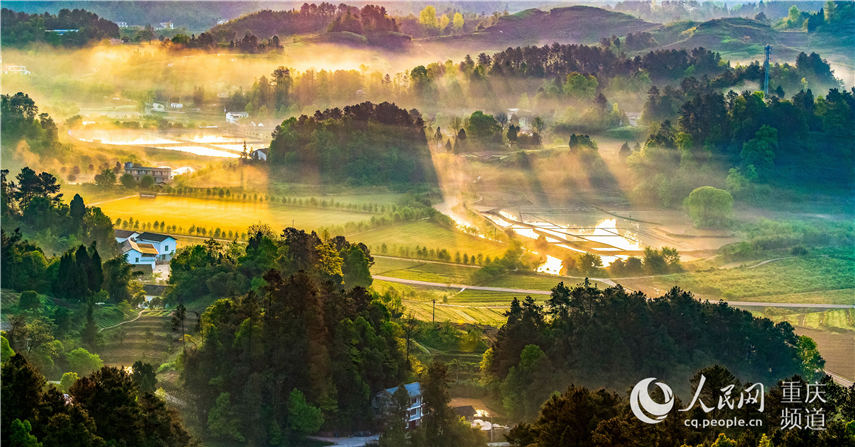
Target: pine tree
83	266
89	335
95	274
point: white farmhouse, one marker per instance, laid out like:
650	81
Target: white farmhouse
145	248
139	254
164	244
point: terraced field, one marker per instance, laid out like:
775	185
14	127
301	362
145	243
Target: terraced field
148	338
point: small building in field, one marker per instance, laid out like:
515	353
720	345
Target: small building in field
158	107
160	175
260	154
384	399
234	117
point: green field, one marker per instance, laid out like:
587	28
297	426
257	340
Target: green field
823	278
226	215
423	271
147	338
105	314
427	234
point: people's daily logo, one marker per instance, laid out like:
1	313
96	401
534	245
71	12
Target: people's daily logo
644	407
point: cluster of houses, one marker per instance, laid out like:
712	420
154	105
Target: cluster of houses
145	250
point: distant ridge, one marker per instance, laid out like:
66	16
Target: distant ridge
574	24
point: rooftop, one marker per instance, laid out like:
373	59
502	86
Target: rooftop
413	389
157	237
146	249
124	234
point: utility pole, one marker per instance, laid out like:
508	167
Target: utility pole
766	71
433	313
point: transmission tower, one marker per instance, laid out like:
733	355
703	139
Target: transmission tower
766	71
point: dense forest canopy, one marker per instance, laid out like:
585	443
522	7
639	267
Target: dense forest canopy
71	28
364	144
602	417
796	142
109	407
341	341
590	336
32	203
21	120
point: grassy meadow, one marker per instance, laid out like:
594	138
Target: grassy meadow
826	277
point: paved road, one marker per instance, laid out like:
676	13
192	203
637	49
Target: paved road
546	292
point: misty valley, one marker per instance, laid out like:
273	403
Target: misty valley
622	223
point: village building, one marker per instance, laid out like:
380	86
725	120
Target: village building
62	32
383	401
139	254
123	235
163	243
145	249
160	175
260	154
18	69
234	117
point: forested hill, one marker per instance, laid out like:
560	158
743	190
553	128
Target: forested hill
20	28
575	24
363	144
370	24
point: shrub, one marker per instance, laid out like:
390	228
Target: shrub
709	207
29	300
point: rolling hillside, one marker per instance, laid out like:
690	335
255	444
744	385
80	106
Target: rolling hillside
575	24
734	36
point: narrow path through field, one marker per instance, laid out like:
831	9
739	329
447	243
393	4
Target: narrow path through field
113	200
123	322
546	292
768	261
